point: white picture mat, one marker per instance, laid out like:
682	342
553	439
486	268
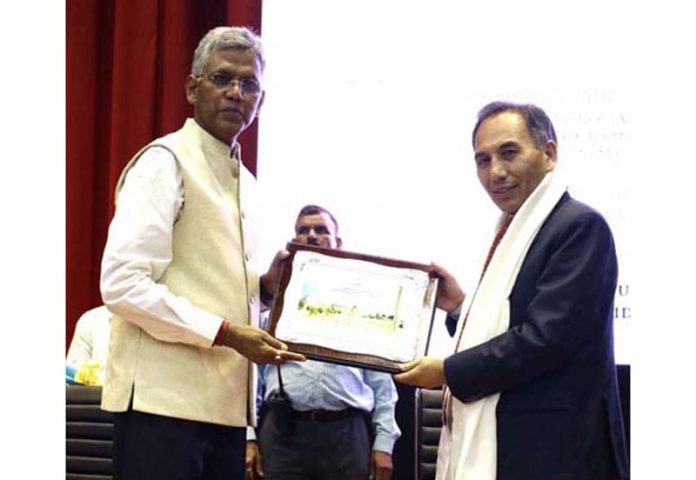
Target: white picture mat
357	306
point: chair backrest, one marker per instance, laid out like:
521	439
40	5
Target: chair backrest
428	426
88	435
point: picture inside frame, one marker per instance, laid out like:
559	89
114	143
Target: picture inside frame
357	306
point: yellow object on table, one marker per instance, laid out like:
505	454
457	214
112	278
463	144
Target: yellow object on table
90	374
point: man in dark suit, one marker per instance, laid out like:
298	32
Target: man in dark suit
531	392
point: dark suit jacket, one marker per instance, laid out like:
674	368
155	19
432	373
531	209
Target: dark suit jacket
559	415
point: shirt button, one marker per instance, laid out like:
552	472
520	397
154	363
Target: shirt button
247	256
243	214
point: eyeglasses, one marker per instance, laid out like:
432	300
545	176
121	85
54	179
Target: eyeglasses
223	80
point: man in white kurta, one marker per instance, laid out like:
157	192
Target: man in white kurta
179	275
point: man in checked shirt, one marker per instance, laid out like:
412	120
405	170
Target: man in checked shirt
343	423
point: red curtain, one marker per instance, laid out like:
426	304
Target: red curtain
127	62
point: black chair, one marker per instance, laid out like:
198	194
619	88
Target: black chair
428	426
88	434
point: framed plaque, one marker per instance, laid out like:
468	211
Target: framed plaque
353	309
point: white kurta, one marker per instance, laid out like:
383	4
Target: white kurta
171	280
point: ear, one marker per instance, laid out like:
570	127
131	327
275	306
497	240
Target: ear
191	89
550	151
263	97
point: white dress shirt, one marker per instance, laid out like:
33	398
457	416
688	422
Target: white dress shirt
90	342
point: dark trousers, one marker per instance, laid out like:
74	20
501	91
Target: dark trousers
153	447
328	450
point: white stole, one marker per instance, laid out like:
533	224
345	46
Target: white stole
468	449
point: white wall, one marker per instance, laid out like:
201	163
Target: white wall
369	111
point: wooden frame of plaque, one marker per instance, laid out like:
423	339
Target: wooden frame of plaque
353	309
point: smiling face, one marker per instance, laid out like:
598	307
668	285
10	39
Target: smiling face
509	165
226	111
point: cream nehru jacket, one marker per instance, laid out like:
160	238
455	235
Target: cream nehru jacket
212	266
